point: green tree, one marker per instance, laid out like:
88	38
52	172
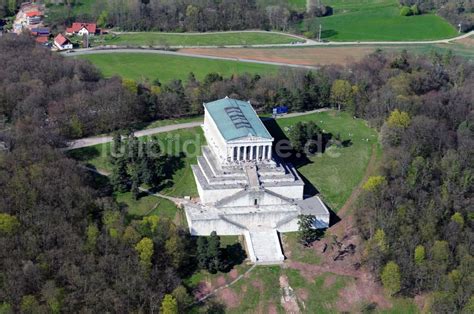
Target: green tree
175	247
183	298
405	11
169	305
120	178
415	10
380	240
145	252
29	304
419	254
131	235
92	233
307	231
303	135
214	253
8	224
391	277
399	118
102	19
202	256
458	218
341	93
440	251
373	183
5	308
130	85
112	222
76	127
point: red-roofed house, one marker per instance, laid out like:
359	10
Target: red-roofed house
62	43
41	40
33	17
81	29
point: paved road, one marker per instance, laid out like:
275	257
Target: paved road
95	140
307	42
91	141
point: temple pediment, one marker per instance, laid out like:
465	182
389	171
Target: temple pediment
254	198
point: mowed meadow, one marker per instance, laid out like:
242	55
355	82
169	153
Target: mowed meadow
143	66
195	39
378	20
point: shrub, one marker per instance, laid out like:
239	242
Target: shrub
391	277
415	10
405	11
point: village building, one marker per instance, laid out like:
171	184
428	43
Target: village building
30	15
33	17
81	29
62	43
244	188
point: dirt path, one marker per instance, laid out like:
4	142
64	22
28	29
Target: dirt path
371	166
364	288
213	292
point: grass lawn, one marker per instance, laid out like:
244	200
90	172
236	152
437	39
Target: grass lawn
297	5
147	205
165	122
379	20
338	171
296	251
183	144
194	39
143	66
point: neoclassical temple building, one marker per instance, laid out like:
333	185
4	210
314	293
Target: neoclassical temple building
243	188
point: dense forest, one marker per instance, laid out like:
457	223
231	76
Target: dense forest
65	245
418	214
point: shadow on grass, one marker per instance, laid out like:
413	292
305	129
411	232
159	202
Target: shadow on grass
232	255
328	33
84	154
172	164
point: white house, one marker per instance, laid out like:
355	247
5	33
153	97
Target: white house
62	43
81	29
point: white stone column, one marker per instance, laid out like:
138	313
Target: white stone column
269	155
252	156
238	153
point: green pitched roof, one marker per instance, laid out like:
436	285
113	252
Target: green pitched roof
236	119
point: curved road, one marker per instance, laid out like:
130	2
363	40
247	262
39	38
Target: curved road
308	43
91	51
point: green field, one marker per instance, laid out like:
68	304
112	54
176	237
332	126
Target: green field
378	20
297	5
139	39
338	171
143	66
